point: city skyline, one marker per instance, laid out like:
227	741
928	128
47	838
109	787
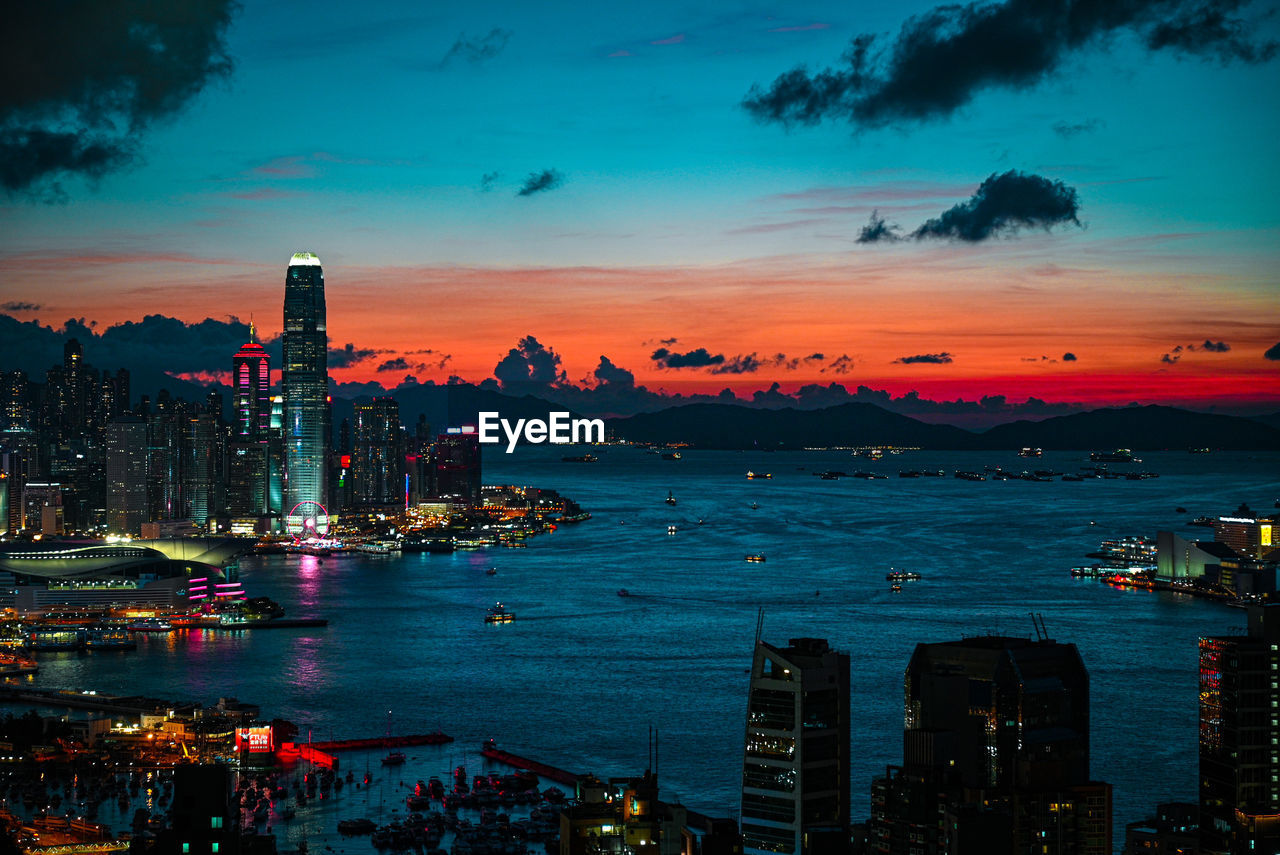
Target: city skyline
656	197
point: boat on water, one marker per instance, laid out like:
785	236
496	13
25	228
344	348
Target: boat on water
498	614
902	576
869	453
1120	455
754	506
672	529
1030	452
671	455
492	571
895	587
623	592
151	624
756	557
580	458
671	499
110	638
394	758
754	475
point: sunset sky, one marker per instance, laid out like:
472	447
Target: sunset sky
652	183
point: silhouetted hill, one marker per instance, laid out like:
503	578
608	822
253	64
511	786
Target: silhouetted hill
731	426
1151	427
1270	419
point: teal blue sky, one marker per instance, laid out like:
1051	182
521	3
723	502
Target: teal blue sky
366	134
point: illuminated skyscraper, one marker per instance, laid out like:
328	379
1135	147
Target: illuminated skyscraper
252	370
795	775
377	453
305	384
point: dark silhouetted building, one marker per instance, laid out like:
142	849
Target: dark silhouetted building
455	465
377	454
126	475
995	755
795	770
305	387
1240	738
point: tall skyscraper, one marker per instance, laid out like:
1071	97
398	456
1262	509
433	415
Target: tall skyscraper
456	465
305	384
377	454
251	367
995	754
1239	732
795	773
126	475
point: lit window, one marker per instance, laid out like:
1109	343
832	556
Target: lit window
186	847
215	847
215	822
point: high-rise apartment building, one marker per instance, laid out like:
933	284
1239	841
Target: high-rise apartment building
1240	738
126	465
795	771
305	387
377	454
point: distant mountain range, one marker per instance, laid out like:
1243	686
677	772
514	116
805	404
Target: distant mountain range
730	426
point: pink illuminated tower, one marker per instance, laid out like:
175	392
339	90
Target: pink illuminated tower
252	381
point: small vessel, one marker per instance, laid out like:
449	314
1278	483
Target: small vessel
756	557
581	458
498	614
671	455
1120	455
151	624
492	571
902	576
623	592
754	506
671	499
895	587
1030	452
754	475
672	529
394	758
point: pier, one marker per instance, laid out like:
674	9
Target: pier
542	770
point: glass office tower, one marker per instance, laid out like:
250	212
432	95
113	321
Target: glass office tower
305	385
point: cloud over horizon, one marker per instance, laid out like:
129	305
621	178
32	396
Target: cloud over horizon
540	182
943	58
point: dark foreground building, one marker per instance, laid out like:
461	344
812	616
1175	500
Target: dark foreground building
995	755
795	772
1239	736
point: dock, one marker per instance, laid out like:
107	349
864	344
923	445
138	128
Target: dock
542	770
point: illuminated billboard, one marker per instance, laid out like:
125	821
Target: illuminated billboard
255	740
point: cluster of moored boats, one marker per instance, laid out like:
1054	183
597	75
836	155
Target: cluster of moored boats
434	813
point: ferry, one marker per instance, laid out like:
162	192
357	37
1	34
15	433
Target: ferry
150	624
498	614
902	576
756	557
1030	452
110	638
581	458
753	475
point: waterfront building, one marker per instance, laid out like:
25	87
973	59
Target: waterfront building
995	754
1239	738
455	465
305	387
377	454
795	778
1174	830
160	572
1248	533
623	816
126	475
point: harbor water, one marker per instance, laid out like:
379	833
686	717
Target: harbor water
582	673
